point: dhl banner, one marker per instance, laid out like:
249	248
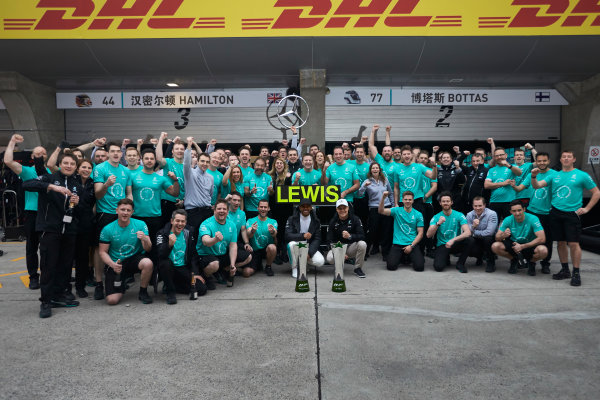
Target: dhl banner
120	19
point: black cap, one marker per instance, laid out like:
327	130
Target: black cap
305	201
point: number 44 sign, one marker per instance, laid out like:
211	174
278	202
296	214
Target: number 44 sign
88	100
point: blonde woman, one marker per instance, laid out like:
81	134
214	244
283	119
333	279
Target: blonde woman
280	212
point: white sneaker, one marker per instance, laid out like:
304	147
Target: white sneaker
294	272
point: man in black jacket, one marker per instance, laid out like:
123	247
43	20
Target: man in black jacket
304	225
474	187
450	177
56	202
347	229
176	257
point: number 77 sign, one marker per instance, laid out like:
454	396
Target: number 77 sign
358	96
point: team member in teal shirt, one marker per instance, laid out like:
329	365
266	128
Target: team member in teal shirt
238	217
307	175
361	203
410	175
170	203
123	244
145	189
520	238
385	158
262	232
500	180
408	232
540	202
257	186
525	194
565	224
110	182
453	235
217	246
176	244
31	203
343	174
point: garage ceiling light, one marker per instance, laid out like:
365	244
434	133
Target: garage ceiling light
172	85
456	80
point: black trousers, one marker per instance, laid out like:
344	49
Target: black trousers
381	229
361	210
483	247
178	279
167	207
32	244
197	215
56	259
501	209
397	254
545	220
82	258
464	247
427	243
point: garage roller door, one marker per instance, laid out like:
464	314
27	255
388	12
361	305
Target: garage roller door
445	123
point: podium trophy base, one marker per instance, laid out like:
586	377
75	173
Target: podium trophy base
339	285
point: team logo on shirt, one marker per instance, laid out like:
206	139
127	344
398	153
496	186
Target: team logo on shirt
406	229
146	194
563	192
260	191
262	240
179	254
340	181
116	190
125	250
448	234
221	247
541	194
410	183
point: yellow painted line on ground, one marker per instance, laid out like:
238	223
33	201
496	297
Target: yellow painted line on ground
14	273
18	259
0	285
25	280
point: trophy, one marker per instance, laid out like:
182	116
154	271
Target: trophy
300	259
339	255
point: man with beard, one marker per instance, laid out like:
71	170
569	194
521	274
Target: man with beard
453	235
302	226
449	176
31	204
500	180
110	182
262	232
567	200
257	186
540	202
342	173
409	176
217	246
385	158
213	170
474	186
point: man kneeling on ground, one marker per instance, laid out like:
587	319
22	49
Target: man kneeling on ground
408	232
521	239
176	256
124	244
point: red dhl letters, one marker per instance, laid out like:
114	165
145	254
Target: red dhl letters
54	19
315	15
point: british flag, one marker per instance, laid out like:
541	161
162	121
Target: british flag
274	97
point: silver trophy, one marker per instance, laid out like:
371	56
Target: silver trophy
299	258
339	255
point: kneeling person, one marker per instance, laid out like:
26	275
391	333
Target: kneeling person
347	228
176	246
262	232
408	232
453	235
123	247
218	247
521	239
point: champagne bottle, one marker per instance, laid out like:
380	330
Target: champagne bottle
118	279
193	291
